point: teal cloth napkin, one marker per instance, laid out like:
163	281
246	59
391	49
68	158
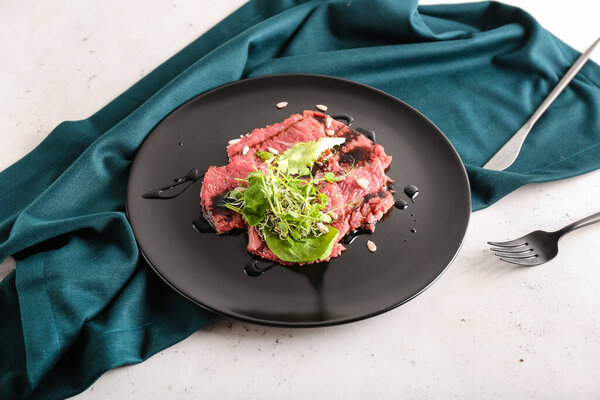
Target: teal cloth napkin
81	301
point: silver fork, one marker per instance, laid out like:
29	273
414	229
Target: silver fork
537	247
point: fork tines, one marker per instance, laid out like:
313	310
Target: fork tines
515	252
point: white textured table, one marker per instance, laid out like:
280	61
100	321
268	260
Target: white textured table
484	330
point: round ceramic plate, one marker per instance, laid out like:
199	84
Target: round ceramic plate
209	269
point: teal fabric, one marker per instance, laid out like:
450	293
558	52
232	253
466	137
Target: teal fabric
81	300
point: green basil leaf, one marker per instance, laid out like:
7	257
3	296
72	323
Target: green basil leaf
309	250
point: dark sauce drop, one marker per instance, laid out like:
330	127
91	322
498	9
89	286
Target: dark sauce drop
405	240
351	236
412	192
355	156
381	194
220	202
200	224
348	120
171	191
255	268
413	230
180	144
400	204
370	134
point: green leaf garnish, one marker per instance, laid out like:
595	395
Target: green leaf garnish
301	156
285	204
309	250
255	198
265	155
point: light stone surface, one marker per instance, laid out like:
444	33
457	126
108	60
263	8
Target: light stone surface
484	330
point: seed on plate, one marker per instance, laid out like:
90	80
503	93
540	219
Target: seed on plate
281	104
323	228
272	150
239	189
333	215
321	107
330	132
234	141
371	246
328	121
245	150
362	182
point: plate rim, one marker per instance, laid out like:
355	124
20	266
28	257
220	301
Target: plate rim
313	324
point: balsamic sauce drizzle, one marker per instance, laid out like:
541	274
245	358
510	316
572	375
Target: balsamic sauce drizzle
344	117
253	267
400	204
351	236
173	190
370	134
412	192
202	225
358	155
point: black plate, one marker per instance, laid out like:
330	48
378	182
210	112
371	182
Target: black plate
208	269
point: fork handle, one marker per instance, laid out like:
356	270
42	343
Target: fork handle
562	84
592	219
508	153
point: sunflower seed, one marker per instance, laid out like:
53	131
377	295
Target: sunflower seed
323	228
234	141
330	132
281	104
245	150
328	122
333	215
272	150
371	246
321	107
239	189
362	182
